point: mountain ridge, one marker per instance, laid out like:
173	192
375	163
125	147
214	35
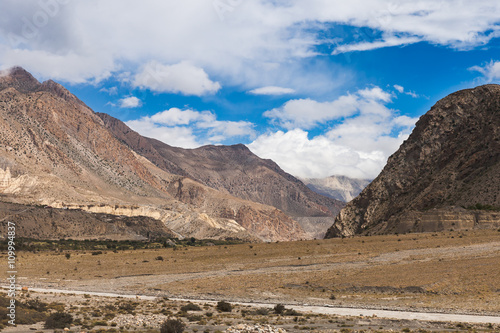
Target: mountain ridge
59	153
451	160
237	171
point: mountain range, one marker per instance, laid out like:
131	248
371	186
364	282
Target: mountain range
56	152
68	172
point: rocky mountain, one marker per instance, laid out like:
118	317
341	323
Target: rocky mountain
450	161
235	170
55	151
340	188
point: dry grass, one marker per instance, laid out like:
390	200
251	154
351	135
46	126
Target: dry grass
457	271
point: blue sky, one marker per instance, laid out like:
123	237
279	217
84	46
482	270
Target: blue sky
321	87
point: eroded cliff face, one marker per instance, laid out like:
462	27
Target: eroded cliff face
54	150
452	158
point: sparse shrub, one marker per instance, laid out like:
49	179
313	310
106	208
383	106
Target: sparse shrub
127	307
292	312
29	316
172	326
223	306
56	306
36	304
190	307
59	320
279	309
67	255
192	318
261	312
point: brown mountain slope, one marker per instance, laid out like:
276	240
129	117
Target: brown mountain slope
237	171
452	159
54	150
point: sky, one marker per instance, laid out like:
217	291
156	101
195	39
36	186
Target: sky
322	87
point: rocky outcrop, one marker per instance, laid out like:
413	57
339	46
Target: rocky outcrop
52	223
237	171
337	187
452	158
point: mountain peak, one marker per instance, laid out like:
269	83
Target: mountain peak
57	89
18	78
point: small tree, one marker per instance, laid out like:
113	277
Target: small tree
172	326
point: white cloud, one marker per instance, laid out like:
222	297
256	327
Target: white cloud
272	90
307	113
70	67
110	91
367	46
130	102
364	134
375	94
254	44
401	90
184	78
317	157
190	128
174	136
490	71
175	117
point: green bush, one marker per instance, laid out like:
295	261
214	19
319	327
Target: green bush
224	306
172	326
59	320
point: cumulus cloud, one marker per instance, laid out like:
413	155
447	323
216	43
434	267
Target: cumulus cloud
272	90
308	113
490	71
363	133
184	78
70	67
130	102
190	128
250	36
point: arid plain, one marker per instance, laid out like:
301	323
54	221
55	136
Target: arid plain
455	272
